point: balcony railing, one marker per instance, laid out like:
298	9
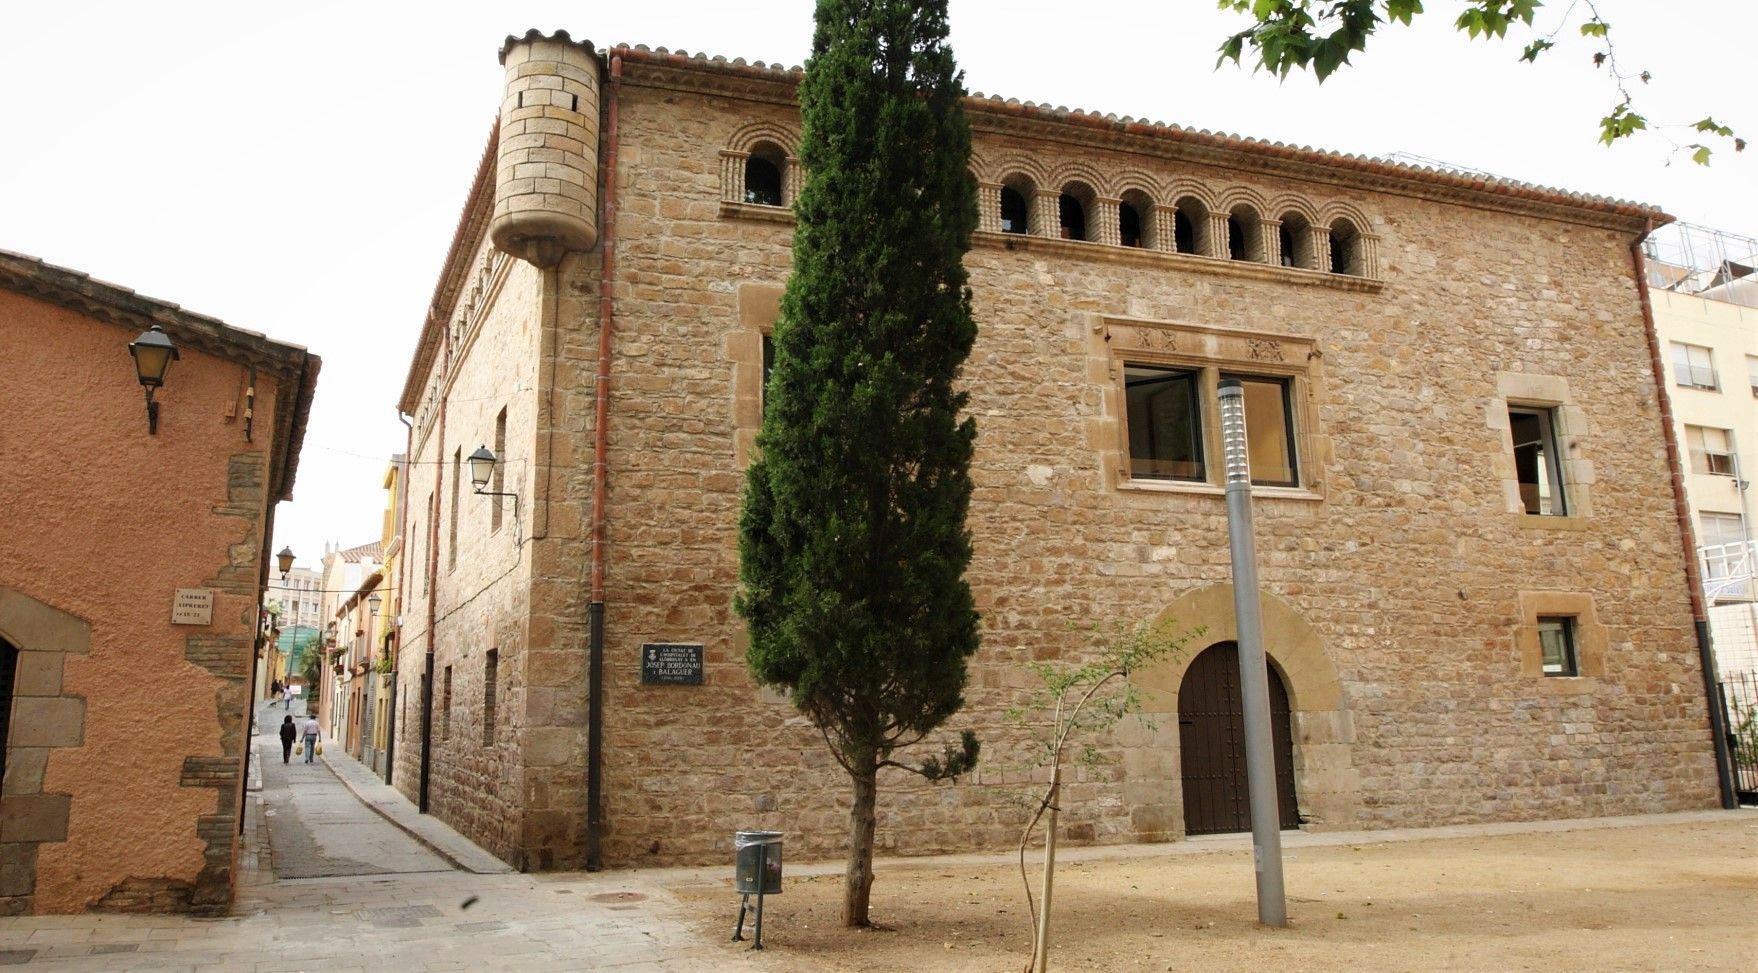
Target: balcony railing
1727	570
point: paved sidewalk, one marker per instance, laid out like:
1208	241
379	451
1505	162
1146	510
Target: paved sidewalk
398	810
316	826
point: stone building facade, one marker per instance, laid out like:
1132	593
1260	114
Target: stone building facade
1474	583
130	591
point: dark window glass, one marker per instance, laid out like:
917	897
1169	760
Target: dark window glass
1269	430
1073	218
762	182
1165	423
1128	225
1235	239
1537	464
1183	233
1013	211
768	370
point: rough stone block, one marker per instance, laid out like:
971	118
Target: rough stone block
47	721
34	817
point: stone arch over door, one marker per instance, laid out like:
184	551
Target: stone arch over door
1323	727
44	718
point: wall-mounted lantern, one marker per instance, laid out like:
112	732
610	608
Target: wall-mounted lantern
153	354
284	561
481	472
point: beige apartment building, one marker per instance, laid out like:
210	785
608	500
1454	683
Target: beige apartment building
1706	311
1477	589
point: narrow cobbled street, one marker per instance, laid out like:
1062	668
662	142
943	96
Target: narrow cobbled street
332	878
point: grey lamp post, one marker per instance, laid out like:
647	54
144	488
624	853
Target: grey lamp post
1254	683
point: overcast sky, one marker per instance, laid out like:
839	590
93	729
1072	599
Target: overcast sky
298	169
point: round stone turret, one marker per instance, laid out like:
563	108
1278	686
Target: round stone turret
546	169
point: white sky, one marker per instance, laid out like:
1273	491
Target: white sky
298	169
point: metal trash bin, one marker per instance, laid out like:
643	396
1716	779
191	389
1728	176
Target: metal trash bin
757	862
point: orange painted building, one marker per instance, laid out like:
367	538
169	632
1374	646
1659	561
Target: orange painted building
132	564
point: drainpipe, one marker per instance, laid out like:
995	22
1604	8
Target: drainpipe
439	476
600	475
400	587
1700	617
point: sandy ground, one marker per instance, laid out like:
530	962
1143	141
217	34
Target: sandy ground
1676	896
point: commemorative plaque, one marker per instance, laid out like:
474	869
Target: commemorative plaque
664	663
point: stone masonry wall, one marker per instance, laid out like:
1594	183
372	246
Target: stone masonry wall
1402	556
477	783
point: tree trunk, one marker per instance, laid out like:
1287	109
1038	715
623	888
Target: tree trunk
862	821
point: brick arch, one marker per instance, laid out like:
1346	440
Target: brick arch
750	136
1019	165
45	718
1185	188
1337	209
1080	172
1291	203
1136	179
1324	731
1234	196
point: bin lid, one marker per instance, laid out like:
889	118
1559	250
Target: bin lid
757	837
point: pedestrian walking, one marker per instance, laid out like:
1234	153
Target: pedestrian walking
275	689
311	731
287	697
288	733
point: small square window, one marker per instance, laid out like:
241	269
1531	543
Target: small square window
1752	374
1165	422
1556	645
1537	462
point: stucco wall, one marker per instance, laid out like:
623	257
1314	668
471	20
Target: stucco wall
103	523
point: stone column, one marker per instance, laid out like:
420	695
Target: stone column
1321	250
1046	213
1270	232
792	177
989	207
1217	244
1165	228
732	176
1103	221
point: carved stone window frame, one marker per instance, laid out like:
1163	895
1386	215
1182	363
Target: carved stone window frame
1591	640
1213	351
1526	390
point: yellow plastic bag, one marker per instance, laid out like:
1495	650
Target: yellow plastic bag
319	747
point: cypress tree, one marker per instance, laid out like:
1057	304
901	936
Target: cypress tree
852	539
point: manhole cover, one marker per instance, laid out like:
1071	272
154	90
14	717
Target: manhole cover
619	897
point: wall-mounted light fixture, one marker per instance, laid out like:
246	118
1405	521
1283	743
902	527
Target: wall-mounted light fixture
153	354
284	561
481	471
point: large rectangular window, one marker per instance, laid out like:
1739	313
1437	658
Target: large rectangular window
1537	462
1165	422
1721	550
1711	450
1693	366
1556	646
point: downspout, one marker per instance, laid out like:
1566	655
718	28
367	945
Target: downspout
433	533
1693	577
400	588
600	475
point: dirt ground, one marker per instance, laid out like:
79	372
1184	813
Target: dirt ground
1680	896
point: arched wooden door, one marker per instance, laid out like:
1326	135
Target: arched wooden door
1211	742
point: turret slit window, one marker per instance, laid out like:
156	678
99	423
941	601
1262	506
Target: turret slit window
452	533
1538	464
497	511
490	675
